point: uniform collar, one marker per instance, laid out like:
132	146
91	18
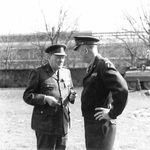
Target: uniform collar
97	58
50	71
93	65
95	61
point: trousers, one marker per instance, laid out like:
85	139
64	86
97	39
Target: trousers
99	135
51	142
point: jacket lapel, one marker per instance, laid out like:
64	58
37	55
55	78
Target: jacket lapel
93	66
89	70
50	71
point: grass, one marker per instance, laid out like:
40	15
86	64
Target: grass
133	132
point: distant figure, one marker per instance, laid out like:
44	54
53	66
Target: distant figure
50	90
103	98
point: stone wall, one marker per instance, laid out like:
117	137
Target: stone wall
19	77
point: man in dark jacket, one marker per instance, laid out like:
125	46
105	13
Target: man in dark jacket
49	90
103	98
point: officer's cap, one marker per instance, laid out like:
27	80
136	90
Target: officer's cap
57	49
85	40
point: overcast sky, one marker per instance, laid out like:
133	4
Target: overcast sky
24	16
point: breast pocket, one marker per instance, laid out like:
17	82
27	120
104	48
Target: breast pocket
66	83
65	88
91	80
91	87
48	88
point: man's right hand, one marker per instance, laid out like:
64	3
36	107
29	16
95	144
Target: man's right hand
52	101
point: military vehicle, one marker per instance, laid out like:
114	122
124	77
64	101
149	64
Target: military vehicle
138	75
134	76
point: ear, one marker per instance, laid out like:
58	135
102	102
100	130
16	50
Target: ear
86	50
49	55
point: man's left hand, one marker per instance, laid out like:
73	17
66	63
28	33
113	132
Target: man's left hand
102	113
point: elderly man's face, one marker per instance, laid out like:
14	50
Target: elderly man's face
56	61
84	52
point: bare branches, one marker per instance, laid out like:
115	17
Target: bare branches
142	23
140	27
62	32
8	54
49	33
56	33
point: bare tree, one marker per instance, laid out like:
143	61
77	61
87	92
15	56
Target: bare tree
8	51
61	33
40	46
137	40
141	27
133	46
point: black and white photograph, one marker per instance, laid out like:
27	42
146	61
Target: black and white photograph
75	75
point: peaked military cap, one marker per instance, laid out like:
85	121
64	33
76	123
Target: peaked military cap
57	49
85	40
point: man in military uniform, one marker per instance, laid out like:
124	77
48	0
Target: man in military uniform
50	90
103	98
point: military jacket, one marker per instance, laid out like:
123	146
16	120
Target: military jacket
103	85
43	81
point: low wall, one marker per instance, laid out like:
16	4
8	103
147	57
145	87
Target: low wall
19	77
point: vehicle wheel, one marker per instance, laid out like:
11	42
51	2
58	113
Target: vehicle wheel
146	85
132	85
